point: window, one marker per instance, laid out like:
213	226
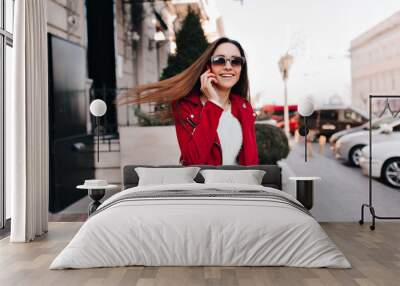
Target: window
329	115
396	128
6	43
353	116
7	89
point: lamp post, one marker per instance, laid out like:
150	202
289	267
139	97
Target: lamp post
98	108
306	108
284	64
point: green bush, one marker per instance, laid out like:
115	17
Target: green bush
272	144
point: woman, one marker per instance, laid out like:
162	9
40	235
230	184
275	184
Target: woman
213	118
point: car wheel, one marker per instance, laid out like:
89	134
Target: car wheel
355	154
391	172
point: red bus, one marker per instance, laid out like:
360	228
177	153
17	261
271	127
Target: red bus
276	112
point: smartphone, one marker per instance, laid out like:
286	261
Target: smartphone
207	67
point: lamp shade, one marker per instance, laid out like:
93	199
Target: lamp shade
306	107
98	107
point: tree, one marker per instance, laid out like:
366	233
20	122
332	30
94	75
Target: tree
190	44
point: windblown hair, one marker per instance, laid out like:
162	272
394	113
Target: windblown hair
186	82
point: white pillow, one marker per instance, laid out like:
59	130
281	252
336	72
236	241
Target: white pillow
163	176
248	177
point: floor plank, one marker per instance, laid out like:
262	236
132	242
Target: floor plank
374	255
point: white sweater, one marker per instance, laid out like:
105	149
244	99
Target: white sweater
230	136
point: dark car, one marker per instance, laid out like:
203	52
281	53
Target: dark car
328	120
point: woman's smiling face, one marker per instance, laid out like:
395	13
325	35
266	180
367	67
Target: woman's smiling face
227	74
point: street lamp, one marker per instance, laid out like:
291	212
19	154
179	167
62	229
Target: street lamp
284	64
306	108
98	108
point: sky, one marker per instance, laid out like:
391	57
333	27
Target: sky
317	32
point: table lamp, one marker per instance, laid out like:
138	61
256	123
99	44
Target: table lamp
98	108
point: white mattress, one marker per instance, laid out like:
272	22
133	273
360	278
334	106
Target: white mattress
200	231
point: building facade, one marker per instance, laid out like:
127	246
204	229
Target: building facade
91	55
375	64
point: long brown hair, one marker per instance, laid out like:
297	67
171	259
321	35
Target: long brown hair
185	82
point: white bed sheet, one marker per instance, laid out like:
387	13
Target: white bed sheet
193	231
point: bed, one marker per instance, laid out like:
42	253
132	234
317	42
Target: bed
201	224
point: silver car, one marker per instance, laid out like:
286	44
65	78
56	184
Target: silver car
385	162
375	125
348	148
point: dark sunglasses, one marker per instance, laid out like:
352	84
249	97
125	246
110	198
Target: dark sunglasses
234	61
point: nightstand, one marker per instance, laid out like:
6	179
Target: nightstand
96	193
305	190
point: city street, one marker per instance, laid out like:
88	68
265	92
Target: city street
342	190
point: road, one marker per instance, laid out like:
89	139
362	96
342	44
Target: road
342	190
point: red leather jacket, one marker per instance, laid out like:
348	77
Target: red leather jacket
196	129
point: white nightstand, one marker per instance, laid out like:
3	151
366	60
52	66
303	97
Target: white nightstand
305	190
96	193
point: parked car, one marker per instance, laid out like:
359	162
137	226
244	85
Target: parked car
375	125
348	147
385	163
329	120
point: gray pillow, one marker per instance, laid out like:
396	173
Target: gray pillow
248	177
163	176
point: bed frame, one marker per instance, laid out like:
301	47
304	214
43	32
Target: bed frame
272	177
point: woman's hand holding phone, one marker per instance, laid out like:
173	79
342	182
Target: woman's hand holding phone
207	88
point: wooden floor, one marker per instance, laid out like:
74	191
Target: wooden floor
374	255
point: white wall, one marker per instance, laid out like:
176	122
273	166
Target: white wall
59	20
156	145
